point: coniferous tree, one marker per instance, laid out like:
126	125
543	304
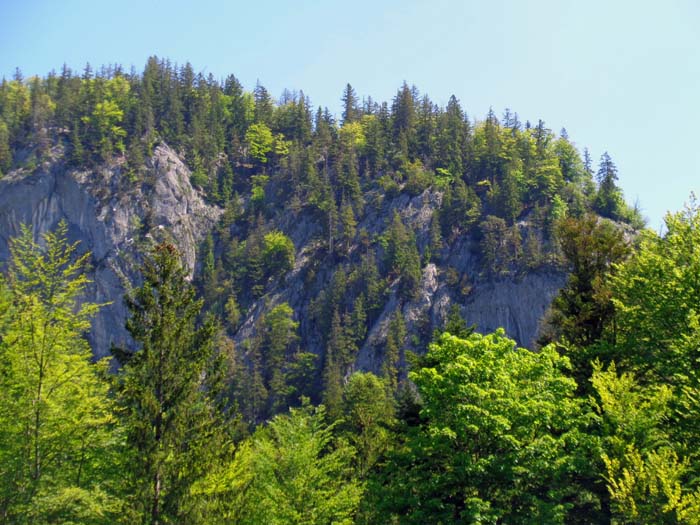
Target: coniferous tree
263	105
333	368
280	335
351	110
395	340
167	404
608	200
5	151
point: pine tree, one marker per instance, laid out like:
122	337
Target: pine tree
280	335
332	369
348	224
263	105
395	339
403	257
167	405
452	138
351	110
77	152
608	201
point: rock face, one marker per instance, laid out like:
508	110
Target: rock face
114	218
515	301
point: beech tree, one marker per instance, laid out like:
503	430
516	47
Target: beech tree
57	440
494	417
292	471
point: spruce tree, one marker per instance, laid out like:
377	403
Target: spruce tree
395	339
608	201
168	409
351	110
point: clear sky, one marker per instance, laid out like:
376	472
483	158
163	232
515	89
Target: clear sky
620	75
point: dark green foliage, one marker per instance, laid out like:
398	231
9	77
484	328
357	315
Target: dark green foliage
608	200
583	308
402	257
351	111
461	209
453	138
278	338
230	138
337	358
393	350
456	325
167	406
501	245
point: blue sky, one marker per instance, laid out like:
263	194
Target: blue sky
620	75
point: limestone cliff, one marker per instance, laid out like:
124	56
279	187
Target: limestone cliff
515	301
113	217
116	218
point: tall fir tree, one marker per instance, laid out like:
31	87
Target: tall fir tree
351	110
167	403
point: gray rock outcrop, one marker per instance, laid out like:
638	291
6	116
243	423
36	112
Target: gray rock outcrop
113	217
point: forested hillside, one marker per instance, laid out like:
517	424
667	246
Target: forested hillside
296	340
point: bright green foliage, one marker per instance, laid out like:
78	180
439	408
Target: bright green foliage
278	253
500	443
165	393
15	104
647	481
5	152
648	489
369	413
418	179
258	190
104	125
657	299
259	139
352	136
630	414
292	471
656	295
570	162
57	438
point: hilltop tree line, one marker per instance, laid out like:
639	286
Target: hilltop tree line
232	139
